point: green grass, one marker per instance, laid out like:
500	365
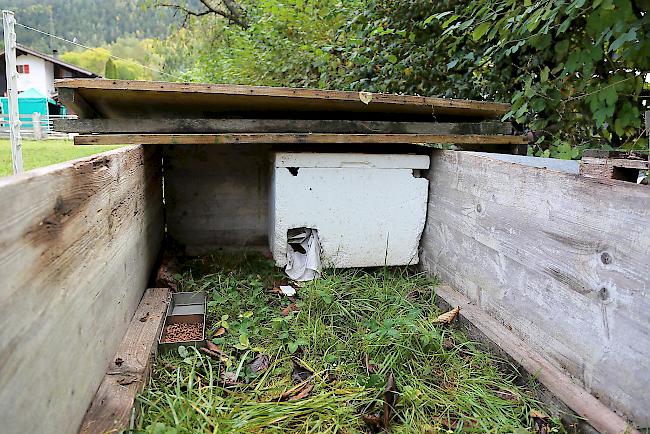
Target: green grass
39	153
386	316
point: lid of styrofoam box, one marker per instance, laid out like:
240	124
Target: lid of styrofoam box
351	160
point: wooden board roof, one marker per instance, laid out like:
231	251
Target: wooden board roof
101	98
293	138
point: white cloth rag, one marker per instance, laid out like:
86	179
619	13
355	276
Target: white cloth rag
304	266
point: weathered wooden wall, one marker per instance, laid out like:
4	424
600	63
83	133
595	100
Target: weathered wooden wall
561	260
217	196
77	243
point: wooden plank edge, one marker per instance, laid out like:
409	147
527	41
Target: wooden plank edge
488	107
128	372
294	138
558	383
78	104
261	125
617	162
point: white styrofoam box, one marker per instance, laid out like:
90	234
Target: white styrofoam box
369	209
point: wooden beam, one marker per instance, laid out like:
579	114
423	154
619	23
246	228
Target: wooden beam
203	126
77	103
128	372
621	165
292	138
555	380
147	99
281	98
79	240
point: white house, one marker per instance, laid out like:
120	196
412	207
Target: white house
37	70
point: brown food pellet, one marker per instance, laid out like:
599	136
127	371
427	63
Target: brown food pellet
183	332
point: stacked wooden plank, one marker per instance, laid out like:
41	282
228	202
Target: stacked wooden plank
621	165
118	112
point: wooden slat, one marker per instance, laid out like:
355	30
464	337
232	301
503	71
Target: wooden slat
557	381
75	102
562	260
292	138
124	99
129	369
203	126
77	244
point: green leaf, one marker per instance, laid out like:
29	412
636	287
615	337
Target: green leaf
564	26
449	21
544	74
562	48
537	104
625	37
293	347
608	95
480	30
392	58
182	351
243	340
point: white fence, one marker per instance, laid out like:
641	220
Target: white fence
36	125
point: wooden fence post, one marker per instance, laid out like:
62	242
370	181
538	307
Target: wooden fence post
8	22
36	126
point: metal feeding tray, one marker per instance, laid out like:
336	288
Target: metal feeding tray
185	310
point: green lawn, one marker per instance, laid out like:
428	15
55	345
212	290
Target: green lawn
39	153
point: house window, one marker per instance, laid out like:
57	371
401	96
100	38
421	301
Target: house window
22	69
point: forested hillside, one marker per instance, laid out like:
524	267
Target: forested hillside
90	22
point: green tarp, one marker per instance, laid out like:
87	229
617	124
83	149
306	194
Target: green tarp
29	102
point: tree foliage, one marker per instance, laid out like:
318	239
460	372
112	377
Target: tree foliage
100	62
573	70
231	10
285	44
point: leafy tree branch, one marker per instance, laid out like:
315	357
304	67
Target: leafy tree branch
228	9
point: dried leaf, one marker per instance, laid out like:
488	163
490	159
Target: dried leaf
413	295
260	364
538	414
373	420
166	273
300	373
215	352
365	97
507	395
291	308
448	317
390	399
230	379
214	348
448	344
145	317
220	331
298	391
541	426
303	393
